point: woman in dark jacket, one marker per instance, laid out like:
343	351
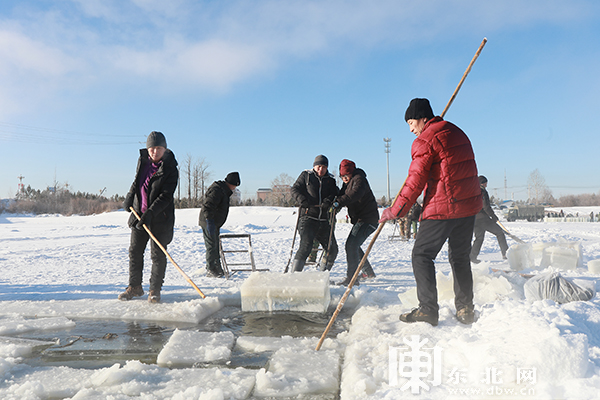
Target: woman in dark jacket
151	196
357	196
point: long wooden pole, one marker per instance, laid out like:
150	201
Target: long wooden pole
381	225
464	76
187	278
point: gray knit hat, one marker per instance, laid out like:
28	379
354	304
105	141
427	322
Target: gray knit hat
321	160
156	138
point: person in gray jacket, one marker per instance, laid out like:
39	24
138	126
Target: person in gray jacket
486	220
214	212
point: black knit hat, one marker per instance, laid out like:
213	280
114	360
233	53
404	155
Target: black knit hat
482	179
156	138
233	178
417	109
321	160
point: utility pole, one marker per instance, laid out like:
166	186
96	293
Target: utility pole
505	185
21	188
388	149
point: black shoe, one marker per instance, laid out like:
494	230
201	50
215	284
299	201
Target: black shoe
213	274
466	315
417	315
475	261
366	275
346	282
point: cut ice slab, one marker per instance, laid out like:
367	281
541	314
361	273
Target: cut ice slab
301	291
186	348
294	372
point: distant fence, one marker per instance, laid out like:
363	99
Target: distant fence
567	219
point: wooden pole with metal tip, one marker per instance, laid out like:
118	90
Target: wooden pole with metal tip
381	225
187	278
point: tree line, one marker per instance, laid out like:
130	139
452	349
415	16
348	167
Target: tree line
195	178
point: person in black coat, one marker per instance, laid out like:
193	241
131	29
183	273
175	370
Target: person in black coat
315	190
356	195
486	221
214	212
151	196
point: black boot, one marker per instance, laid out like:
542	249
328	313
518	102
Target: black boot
298	265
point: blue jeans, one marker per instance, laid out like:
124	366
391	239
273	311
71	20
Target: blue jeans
359	233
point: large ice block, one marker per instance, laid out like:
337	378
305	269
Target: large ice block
520	256
273	291
594	266
559	258
539	248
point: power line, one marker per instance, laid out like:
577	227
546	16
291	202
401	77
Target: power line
39	135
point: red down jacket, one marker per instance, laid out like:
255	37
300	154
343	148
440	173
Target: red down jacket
444	165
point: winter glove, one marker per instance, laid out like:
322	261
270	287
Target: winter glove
145	219
387	215
211	228
326	204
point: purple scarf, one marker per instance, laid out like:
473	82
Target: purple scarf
148	170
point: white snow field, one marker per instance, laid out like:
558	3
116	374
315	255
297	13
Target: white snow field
60	274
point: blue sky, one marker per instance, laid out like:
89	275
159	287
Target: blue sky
262	87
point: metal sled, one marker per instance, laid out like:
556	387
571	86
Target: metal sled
226	265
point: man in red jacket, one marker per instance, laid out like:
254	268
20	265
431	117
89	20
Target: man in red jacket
443	164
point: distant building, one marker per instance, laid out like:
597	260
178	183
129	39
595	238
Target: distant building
264	194
279	195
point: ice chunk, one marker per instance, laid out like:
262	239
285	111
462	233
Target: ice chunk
186	348
17	347
537	249
273	291
520	256
559	258
594	266
293	372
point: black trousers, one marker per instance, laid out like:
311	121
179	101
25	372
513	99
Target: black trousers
432	236
311	229
354	254
137	246
481	226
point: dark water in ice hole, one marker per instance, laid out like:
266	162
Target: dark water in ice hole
101	343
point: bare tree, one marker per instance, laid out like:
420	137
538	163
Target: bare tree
281	190
187	173
195	174
539	192
203	175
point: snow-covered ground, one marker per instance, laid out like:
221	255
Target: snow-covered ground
58	271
